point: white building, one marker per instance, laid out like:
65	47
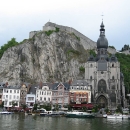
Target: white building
11	95
43	94
30	100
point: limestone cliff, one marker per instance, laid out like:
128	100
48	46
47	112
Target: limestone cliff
47	56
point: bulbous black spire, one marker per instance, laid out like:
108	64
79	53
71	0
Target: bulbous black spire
102	41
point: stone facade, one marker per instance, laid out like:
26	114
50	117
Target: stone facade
104	76
23	93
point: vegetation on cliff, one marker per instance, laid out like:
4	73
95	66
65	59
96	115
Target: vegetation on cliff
9	44
125	68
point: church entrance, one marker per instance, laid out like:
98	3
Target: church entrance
102	101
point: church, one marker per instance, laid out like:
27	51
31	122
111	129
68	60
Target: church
103	75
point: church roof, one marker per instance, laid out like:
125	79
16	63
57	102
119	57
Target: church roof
102	41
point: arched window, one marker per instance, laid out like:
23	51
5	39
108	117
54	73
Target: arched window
112	65
113	77
102	86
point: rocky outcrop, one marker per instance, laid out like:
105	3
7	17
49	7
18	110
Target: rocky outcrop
47	56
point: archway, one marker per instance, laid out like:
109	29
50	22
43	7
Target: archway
102	101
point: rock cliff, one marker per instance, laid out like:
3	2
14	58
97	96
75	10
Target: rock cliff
53	54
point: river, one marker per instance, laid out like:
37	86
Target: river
29	122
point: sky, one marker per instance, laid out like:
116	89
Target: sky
19	17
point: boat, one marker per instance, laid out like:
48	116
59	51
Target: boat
78	114
104	115
125	116
115	116
6	112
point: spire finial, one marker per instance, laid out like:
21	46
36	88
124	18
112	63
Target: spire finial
102	16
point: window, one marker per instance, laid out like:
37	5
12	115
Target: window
40	98
14	91
44	99
113	77
10	103
17	97
5	90
112	65
10	96
48	99
14	96
10	91
6	96
17	91
30	98
5	103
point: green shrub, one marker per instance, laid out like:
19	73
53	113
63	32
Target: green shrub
81	69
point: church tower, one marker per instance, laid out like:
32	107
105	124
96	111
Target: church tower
103	75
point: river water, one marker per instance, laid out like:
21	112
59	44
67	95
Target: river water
29	122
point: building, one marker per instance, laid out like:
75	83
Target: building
60	94
31	97
11	96
1	91
23	93
103	75
80	94
43	94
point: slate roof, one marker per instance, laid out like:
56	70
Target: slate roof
79	83
55	86
2	85
32	89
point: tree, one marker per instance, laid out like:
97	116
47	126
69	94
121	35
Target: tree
24	106
84	109
106	110
2	105
56	107
69	108
35	107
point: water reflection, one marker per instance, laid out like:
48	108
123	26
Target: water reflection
22	122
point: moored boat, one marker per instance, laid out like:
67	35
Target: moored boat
115	116
77	114
6	112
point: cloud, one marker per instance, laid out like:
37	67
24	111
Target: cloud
19	17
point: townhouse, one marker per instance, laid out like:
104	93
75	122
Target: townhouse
11	96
